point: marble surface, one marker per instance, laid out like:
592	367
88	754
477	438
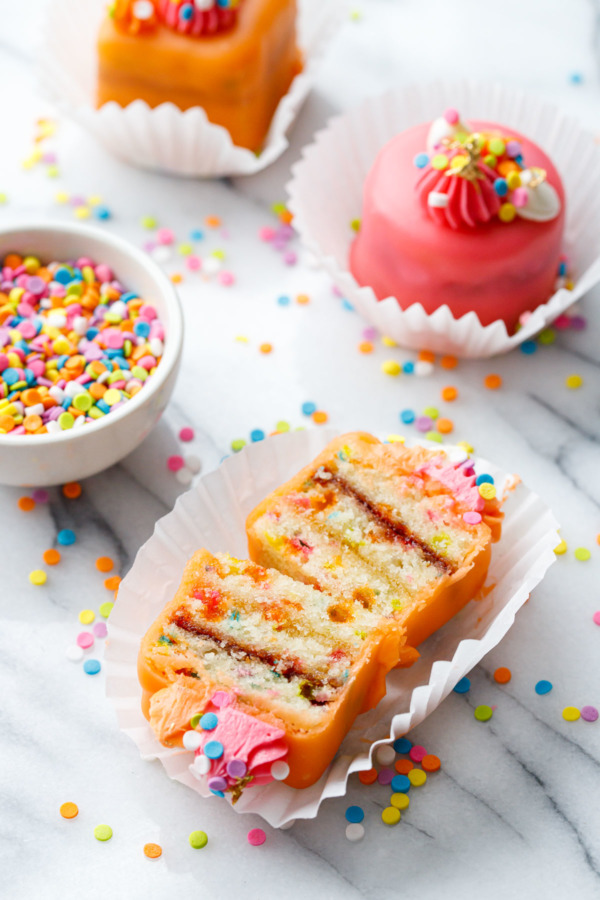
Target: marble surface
514	811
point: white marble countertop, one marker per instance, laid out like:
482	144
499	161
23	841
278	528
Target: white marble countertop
514	811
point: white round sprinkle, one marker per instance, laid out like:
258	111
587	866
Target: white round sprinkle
194	464
385	755
183	476
161	254
211	265
422	367
280	770
192	740
355	832
74	653
202	764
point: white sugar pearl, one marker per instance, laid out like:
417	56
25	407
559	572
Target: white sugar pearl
202	764
74	653
385	755
355	832
192	740
52	427
422	367
102	378
57	393
73	388
184	476
156	347
280	770
57	320
193	463
119	309
36	410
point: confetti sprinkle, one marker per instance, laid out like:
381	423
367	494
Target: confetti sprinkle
417	752
38	577
319	417
368	777
87	616
104	564
449	394
105	609
390	815
483	713
502	675
582	554
186	434
256	837
401	783
66	537
463	686
152	851
589	713
385	776
417	777
355	832
26	504
573	381
391	367
431	763
355	814
91	666
543	687
596	617
51	557
403	766
402	745
492	382
69	810
571	714
72	490
385	755
400	800
561	548
103	832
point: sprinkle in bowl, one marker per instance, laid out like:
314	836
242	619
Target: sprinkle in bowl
35	459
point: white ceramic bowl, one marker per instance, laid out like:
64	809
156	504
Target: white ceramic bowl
46	459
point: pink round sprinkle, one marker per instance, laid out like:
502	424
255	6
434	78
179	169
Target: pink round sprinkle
186	434
266	233
562	322
256	837
226	278
589	713
193	263
451	116
85	639
100	629
175	463
520	197
417	753
369	334
165	236
41	495
596	615
385	776
220	699
472	518
290	258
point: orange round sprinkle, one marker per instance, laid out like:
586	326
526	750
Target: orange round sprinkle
69	810
502	675
176	278
403	766
426	356
365	347
444	426
319	417
492	382
212	222
7	423
51	557
448	362
152	851
449	393
26	504
13	260
286	217
32	423
303	299
368	777
430	762
112	583
265	348
72	490
104	564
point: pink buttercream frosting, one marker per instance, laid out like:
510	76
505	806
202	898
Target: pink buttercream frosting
459	478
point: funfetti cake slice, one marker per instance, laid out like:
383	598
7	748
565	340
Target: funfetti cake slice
381	528
246	667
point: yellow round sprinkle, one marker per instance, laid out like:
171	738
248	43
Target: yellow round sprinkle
487	491
112	396
513	180
82	212
417	777
561	548
390	815
86	616
570	713
507	212
464	445
38	576
440	162
388	341
573	381
400	801
391	367
396	438
582	554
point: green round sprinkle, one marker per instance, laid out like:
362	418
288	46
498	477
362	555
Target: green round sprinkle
66	420
218	254
282	426
547	336
3	197
103	832
83	402
434	436
113	317
582	553
440	162
195	720
105	609
431	412
497	146
355	224
198	840
185	249
490	160
278	208
75	289
237	444
149	222
483	713
139	372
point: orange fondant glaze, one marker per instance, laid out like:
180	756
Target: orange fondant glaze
238	77
433	607
171	698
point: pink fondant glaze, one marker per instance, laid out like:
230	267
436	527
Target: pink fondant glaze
245	738
497	270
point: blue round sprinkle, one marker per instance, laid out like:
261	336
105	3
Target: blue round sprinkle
142	329
186	12
528	347
196	234
214	749
575	77
309	408
66	537
355	814
421	160
543	687
102	212
401	784
11	376
408	367
463	686
501	187
347	305
257	435
91	666
283	300
484	479
402	745
63	275
208	722
408	416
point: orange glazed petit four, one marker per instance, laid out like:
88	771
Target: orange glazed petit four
234	58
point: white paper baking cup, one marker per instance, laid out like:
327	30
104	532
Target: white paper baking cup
212	514
326	193
165	138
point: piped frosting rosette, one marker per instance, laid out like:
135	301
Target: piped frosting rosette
196	18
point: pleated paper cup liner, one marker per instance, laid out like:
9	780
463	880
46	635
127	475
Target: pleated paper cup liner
326	195
212	514
165	138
